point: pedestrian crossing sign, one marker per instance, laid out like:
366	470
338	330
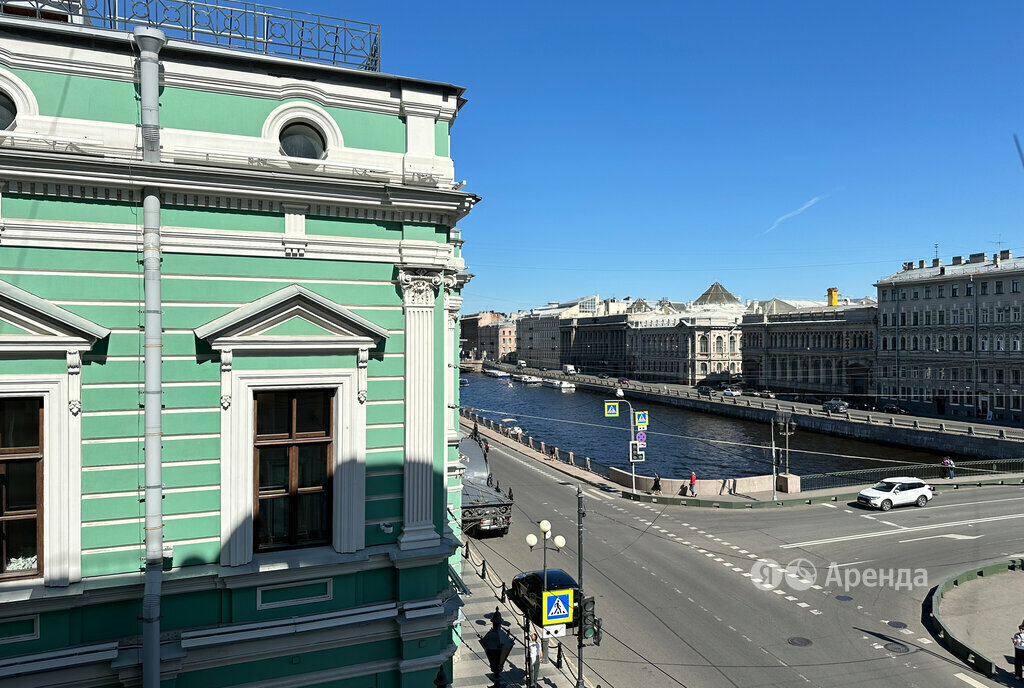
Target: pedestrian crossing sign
641	417
611	409
557	607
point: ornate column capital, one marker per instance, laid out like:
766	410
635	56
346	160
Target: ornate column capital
419	286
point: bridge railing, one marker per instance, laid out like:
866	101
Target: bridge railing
925	471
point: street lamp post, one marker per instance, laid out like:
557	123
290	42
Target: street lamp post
632	432
559	543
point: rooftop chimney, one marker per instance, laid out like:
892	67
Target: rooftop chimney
977	258
920	264
832	295
936	262
1005	254
958	260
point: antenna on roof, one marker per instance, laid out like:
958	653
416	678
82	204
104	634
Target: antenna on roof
936	250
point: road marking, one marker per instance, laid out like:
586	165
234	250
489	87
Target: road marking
830	506
900	531
595	493
991	501
890	523
948	536
852	563
924	641
866	516
970	681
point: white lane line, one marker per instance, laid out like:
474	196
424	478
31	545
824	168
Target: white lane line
852	563
947	536
900	531
994	501
970	681
830	506
894	525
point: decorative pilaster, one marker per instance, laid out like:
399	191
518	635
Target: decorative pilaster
419	291
452	305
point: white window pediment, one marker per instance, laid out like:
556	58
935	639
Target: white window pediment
291	319
29	324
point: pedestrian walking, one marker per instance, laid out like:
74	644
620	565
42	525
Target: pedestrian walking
476	430
1018	652
656	488
534	659
693	483
487	449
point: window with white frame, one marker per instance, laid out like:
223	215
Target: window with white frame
21	487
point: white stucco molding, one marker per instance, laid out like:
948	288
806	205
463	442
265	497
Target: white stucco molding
246	328
23	97
47	328
62	476
309	113
349	452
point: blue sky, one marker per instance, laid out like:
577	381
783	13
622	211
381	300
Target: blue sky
649	149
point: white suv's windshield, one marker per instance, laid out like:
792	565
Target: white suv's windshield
884	486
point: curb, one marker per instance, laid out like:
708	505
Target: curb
960	649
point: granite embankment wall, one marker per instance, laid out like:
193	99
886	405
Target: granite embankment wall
983	441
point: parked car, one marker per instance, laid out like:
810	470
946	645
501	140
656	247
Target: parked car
602	376
751	393
705	391
892	492
766	394
732	392
835	406
526	591
623	380
894	408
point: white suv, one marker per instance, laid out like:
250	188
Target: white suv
896	492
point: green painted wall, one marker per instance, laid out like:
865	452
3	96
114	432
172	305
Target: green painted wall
441	141
82	97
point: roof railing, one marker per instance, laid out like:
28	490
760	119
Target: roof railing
227	23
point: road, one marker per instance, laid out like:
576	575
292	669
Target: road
676	586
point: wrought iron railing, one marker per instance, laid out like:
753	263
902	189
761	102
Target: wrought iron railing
925	471
228	23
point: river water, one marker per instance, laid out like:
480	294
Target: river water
678	440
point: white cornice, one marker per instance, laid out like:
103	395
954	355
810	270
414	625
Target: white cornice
110	237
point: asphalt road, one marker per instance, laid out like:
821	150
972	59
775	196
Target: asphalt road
677	587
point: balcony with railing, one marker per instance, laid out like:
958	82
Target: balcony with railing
225	23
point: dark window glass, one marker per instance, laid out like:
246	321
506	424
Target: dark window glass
8	111
300	140
21	484
293	463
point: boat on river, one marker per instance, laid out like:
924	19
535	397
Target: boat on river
494	372
527	379
560	385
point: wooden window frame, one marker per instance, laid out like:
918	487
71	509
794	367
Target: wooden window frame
18	454
292	441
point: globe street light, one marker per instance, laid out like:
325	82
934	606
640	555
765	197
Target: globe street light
559	543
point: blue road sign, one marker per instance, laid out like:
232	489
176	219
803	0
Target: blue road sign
641	436
557	607
611	409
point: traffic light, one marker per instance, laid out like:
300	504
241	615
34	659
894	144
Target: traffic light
587	620
597	631
636	455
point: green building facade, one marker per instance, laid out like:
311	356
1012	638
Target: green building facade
311	273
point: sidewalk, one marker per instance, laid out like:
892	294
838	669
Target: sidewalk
983	613
470	662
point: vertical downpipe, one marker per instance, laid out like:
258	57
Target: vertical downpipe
150	41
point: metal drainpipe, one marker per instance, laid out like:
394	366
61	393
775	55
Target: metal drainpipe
150	41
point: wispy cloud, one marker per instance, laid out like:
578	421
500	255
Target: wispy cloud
794	213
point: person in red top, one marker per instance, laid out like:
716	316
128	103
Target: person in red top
693	484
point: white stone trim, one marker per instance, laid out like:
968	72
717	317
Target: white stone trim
62	474
326	597
307	113
236	457
112	237
23	97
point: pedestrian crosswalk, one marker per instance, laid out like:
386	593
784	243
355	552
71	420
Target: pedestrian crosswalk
471	668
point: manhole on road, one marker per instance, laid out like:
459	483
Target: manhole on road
797	641
898	648
843	598
897	624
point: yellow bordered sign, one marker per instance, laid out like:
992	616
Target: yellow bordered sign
611	409
558	605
